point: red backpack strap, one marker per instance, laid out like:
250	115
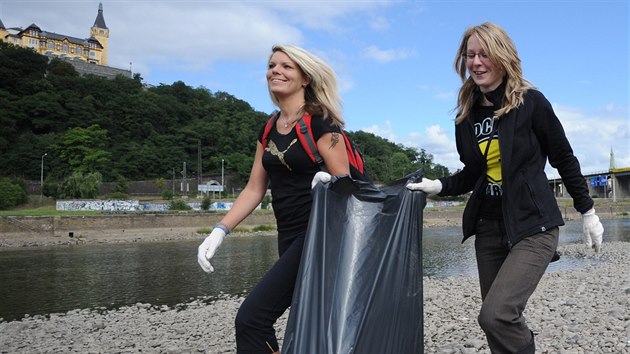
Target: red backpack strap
272	120
305	135
354	157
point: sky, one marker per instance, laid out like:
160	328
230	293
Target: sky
394	59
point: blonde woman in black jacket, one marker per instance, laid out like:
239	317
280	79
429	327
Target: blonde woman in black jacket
506	131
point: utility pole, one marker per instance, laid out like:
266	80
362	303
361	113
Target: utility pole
173	182
199	179
222	184
183	178
41	181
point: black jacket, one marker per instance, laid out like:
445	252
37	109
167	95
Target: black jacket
528	136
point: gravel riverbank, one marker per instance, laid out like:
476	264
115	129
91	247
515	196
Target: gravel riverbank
584	310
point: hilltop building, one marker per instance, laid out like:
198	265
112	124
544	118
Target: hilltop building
87	55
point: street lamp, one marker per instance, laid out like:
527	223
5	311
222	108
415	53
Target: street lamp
41	180
222	185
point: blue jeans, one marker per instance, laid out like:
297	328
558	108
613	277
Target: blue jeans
507	278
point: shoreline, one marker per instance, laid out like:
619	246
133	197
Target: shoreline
432	218
448	217
585	310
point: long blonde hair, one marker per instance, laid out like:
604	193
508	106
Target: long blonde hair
321	94
500	49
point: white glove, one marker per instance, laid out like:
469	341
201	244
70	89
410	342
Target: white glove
593	230
429	186
320	176
208	247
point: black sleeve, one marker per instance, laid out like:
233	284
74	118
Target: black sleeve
464	180
556	146
321	126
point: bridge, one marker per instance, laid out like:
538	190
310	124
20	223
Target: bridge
613	184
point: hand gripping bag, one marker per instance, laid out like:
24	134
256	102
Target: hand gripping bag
359	287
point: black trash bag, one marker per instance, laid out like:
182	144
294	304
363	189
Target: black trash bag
359	287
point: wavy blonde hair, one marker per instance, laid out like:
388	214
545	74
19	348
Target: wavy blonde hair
500	49
321	94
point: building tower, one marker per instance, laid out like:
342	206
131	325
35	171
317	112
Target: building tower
3	31
100	32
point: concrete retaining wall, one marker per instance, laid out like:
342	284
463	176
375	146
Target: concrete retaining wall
61	226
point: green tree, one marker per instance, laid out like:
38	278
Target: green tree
61	68
78	185
20	67
83	149
121	185
12	193
400	165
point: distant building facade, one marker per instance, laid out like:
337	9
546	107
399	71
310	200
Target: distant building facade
77	51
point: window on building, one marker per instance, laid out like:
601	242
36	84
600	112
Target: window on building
64	48
79	51
92	55
32	42
101	31
51	45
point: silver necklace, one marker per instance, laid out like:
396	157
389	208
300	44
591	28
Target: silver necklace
286	121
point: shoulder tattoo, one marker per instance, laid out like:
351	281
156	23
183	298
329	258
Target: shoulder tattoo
334	139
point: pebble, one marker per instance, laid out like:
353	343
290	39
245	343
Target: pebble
584	310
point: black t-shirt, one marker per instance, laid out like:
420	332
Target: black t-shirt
486	125
290	172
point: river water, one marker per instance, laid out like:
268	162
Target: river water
43	280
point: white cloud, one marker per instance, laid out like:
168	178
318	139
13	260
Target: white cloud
380	24
192	34
435	141
592	135
438	142
445	95
438	92
198	35
386	55
384	131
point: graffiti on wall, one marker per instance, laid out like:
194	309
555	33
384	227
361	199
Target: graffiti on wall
132	205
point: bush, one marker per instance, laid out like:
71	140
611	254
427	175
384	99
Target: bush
51	189
265	202
205	203
167	195
121	185
12	193
179	205
264	228
81	186
119	195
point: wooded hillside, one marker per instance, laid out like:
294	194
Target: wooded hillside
122	129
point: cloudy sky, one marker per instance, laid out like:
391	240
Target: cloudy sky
394	59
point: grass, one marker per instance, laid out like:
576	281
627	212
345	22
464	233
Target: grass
242	229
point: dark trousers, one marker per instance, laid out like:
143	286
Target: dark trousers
269	299
508	277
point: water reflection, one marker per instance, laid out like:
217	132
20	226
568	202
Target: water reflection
41	280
